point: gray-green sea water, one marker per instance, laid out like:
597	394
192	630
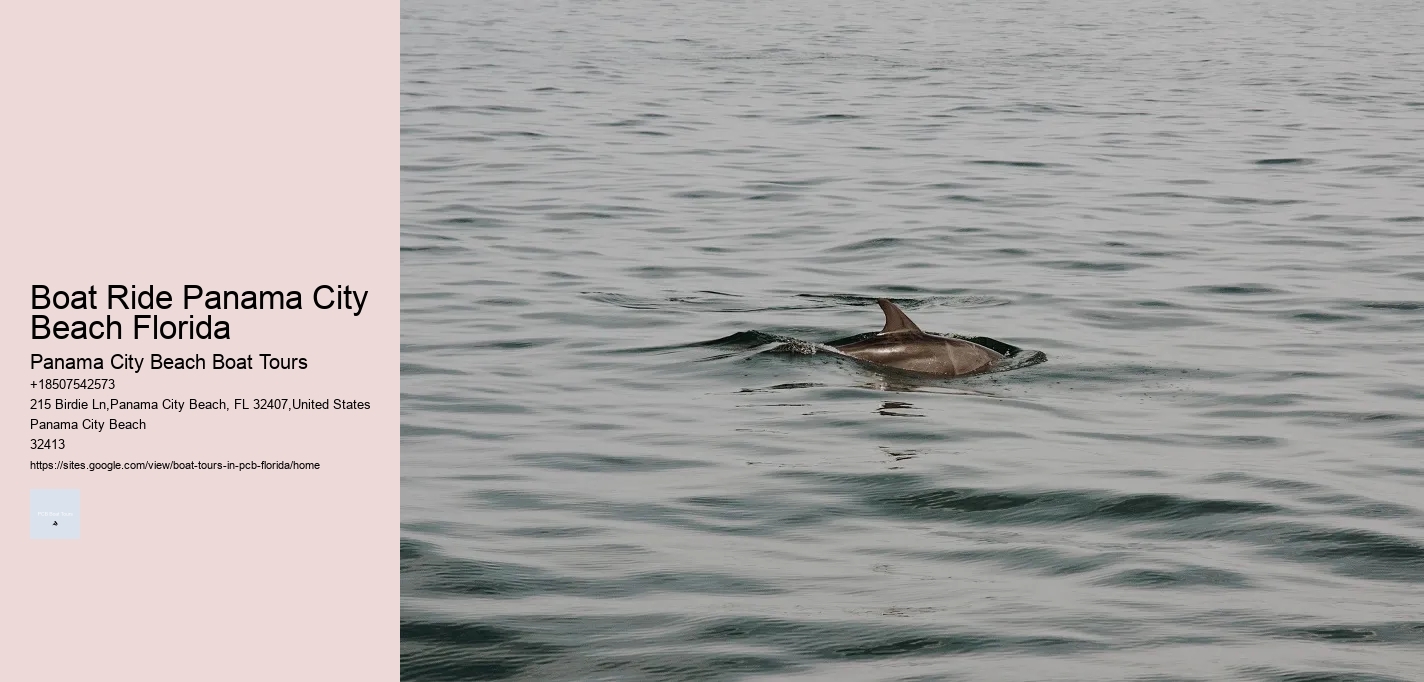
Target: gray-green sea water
1209	216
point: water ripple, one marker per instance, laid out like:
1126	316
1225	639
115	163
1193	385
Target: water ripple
629	228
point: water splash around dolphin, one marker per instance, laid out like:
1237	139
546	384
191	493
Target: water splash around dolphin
899	348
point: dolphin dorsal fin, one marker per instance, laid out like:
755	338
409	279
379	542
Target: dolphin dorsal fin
895	319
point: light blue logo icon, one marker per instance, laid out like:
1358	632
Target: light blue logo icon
54	514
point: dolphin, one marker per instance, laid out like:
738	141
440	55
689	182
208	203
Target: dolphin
902	345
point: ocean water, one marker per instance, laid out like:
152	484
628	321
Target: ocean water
1208	216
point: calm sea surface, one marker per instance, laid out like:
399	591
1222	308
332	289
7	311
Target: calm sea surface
1209	216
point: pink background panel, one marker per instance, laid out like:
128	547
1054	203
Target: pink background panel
237	146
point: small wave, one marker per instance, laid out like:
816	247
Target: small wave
876	243
1017	164
1235	289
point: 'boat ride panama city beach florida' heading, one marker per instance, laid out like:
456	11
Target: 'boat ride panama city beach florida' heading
157	326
